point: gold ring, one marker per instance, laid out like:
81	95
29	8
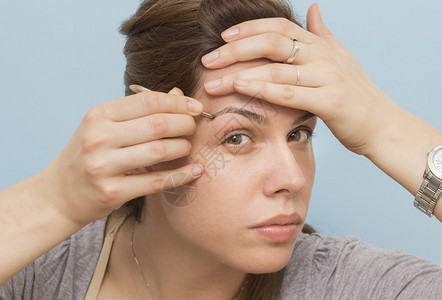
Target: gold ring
298	78
294	52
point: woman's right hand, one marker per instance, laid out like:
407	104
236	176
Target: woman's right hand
92	175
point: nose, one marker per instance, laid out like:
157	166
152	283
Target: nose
283	175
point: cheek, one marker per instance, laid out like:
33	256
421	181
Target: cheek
218	196
225	205
222	198
305	159
212	222
308	166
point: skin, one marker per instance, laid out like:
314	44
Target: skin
88	179
333	86
244	193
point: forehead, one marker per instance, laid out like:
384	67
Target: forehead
213	103
239	66
220	101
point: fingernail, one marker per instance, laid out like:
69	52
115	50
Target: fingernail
210	58
210	85
242	83
138	88
194	107
197	170
230	33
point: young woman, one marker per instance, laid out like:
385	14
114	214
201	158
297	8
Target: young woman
227	192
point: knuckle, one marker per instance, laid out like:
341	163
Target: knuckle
288	93
285	25
93	140
273	40
275	72
180	104
94	167
151	101
264	90
158	184
94	114
109	193
233	49
158	149
158	124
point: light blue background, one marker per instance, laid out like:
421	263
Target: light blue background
58	58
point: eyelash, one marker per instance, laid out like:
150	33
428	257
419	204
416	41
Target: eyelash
232	134
307	130
225	140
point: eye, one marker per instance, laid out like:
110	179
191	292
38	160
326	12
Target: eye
236	139
299	135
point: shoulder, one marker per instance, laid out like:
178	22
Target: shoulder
65	271
347	268
312	253
79	248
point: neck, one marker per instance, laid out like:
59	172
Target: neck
175	268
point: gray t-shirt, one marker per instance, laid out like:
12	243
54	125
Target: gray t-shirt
320	268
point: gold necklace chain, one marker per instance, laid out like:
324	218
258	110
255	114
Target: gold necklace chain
141	269
138	263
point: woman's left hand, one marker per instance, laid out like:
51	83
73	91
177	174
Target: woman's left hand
325	79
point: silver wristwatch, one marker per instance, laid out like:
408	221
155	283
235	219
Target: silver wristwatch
431	188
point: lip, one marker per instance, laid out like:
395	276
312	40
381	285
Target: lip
282	219
280	228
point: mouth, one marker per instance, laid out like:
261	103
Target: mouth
280	228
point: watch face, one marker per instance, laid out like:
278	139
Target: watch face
435	161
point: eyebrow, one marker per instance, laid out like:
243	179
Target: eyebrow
251	115
260	119
303	118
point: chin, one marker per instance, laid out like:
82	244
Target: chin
268	259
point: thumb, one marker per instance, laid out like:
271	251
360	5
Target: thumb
176	91
139	89
316	25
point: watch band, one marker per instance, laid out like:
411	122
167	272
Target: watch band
428	194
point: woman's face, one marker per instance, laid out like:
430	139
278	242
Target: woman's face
251	203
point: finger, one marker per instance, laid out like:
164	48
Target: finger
147	103
138	171
176	91
148	154
151	128
296	97
154	182
260	26
307	76
138	88
270	45
316	25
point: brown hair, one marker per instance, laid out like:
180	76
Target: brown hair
165	42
